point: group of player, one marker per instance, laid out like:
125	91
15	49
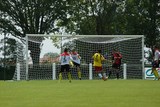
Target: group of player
72	58
67	59
98	58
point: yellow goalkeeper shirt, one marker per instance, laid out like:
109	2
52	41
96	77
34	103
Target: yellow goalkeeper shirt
98	58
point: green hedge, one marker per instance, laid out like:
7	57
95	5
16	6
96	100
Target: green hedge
7	73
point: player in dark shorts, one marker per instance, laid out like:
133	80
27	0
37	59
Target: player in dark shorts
156	62
64	60
76	61
116	63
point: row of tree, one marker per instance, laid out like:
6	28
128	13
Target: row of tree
96	17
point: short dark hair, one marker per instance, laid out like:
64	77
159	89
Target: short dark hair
99	51
66	50
114	50
73	50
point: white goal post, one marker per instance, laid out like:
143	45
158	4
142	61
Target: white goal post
131	47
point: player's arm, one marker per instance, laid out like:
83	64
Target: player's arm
120	55
108	59
93	56
79	56
70	61
59	59
102	58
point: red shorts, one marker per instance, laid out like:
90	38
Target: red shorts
98	69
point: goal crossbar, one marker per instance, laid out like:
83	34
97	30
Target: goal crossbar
58	35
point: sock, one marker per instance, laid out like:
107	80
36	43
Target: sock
100	75
79	74
155	78
104	75
69	76
60	76
155	72
117	74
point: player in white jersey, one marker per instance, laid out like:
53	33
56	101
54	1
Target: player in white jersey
65	59
76	61
156	62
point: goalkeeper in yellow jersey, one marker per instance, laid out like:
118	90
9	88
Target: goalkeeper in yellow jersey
97	63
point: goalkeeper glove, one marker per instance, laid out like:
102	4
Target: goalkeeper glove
71	63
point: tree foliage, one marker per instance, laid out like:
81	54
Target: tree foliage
21	17
51	55
8	50
131	17
92	16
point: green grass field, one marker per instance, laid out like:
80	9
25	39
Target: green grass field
84	93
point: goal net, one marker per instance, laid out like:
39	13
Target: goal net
42	52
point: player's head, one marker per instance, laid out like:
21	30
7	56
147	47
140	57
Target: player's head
114	50
73	50
66	50
99	51
156	47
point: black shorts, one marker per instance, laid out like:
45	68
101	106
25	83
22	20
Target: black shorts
65	68
155	64
116	66
76	64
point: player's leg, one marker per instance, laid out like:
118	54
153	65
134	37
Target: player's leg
79	71
69	76
98	72
113	69
60	73
68	72
154	70
100	75
109	73
60	76
104	76
117	71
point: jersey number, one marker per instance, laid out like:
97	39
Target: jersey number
64	59
74	58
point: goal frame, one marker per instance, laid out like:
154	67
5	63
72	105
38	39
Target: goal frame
58	35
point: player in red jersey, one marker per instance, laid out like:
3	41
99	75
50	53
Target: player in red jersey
116	62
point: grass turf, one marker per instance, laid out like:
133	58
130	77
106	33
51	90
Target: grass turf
84	93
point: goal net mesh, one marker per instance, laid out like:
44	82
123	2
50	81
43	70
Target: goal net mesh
43	51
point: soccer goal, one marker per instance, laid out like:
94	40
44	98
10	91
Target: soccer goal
38	64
